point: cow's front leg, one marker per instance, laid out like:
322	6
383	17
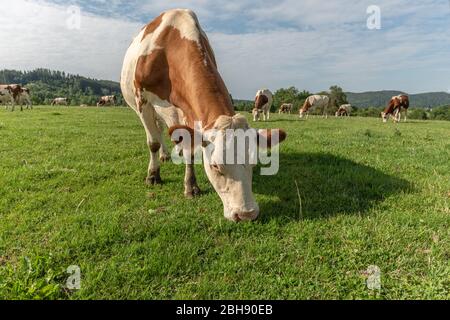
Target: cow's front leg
148	118
164	154
191	188
268	115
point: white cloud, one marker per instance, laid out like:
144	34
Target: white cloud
36	35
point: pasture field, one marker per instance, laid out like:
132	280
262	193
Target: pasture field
72	192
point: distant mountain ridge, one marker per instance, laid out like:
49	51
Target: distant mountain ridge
381	98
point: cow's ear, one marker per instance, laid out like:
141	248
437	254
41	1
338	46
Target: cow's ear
271	138
178	132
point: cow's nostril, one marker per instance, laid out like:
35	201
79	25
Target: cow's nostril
246	215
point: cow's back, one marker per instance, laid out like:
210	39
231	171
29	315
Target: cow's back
171	66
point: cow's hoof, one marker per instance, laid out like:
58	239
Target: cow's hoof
154	178
165	158
195	192
153	181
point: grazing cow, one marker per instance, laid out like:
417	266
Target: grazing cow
263	103
170	77
25	99
60	102
395	107
286	108
107	101
344	110
10	93
315	101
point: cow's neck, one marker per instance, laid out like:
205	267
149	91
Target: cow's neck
203	103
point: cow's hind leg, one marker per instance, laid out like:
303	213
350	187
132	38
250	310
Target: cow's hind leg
148	118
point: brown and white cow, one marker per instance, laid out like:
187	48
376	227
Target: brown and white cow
170	77
263	103
286	108
344	110
60	102
25	98
396	106
315	101
10	93
107	101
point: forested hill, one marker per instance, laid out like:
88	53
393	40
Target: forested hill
46	85
380	99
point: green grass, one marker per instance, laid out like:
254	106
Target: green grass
72	192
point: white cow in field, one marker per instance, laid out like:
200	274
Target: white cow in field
60	102
344	110
107	101
263	103
315	101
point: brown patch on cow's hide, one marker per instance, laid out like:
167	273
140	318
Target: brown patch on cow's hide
397	103
306	106
261	101
157	65
152	26
15	90
184	74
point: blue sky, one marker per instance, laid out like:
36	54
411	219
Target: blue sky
309	44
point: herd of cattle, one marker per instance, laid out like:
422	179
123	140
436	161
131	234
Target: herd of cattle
170	79
17	95
264	99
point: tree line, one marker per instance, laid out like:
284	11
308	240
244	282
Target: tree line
46	85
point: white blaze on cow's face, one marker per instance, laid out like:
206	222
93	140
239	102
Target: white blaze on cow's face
232	179
302	114
384	116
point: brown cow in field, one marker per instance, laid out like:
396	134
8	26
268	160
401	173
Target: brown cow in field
396	106
170	77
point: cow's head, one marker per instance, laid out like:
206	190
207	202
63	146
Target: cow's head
233	182
302	113
385	117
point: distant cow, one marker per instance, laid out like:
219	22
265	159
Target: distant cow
286	108
395	107
344	110
107	101
10	93
60	102
25	98
315	101
263	103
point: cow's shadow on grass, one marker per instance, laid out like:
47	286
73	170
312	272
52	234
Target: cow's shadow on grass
328	186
